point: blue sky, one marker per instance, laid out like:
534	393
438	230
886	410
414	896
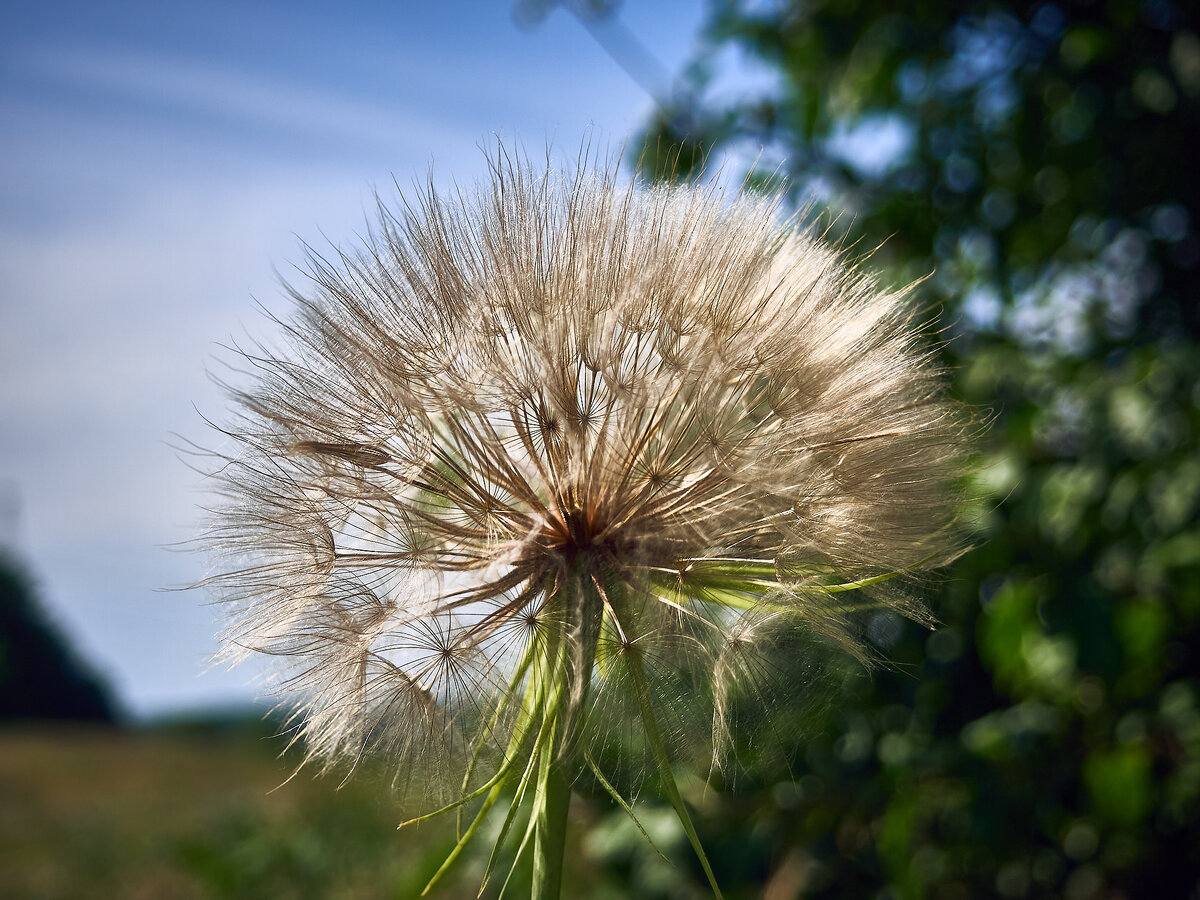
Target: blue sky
160	161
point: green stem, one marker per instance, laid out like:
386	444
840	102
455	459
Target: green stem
550	833
568	674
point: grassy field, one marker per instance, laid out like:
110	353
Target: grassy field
203	813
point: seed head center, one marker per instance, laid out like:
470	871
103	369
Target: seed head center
578	529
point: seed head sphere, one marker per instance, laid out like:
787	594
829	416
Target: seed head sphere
651	432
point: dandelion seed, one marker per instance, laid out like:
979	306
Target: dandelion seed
566	466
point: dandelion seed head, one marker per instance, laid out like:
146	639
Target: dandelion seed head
693	417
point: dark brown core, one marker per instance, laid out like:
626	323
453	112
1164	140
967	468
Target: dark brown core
575	530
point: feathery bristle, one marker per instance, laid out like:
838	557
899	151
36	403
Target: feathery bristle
562	412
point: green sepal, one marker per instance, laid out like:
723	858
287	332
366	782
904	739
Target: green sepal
637	675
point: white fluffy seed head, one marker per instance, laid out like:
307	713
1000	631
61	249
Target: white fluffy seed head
561	382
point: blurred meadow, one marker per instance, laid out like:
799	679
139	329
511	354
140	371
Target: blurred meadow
1033	165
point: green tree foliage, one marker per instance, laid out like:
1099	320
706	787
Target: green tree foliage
40	678
1039	161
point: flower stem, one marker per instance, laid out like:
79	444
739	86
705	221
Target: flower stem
570	676
550	833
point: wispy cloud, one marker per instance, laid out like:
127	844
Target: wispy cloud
235	97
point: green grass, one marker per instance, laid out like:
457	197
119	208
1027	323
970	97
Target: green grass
201	813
